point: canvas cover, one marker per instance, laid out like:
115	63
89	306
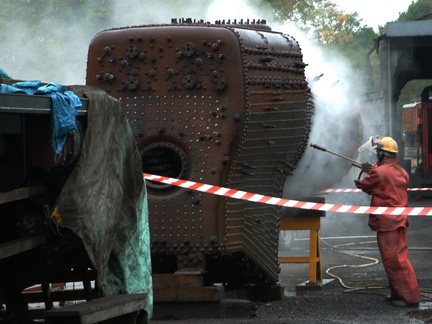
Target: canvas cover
104	201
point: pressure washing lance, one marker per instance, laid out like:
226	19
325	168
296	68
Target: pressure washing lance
365	166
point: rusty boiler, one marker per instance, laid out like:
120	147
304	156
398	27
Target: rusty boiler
224	104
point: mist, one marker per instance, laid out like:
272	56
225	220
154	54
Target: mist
337	124
30	58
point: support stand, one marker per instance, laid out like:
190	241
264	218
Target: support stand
313	224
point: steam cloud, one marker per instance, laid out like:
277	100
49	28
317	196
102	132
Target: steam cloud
30	59
336	123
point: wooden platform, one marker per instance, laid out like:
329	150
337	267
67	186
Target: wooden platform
98	310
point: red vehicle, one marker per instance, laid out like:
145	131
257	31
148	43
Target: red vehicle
418	118
425	132
411	118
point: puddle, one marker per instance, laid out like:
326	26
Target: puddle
423	313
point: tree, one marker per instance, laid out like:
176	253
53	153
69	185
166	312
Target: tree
325	23
52	27
334	30
303	13
418	10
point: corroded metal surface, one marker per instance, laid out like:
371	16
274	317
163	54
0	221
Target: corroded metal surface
223	104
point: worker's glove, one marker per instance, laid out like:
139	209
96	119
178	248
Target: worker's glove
357	183
366	167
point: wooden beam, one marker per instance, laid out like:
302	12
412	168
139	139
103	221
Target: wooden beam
18	246
98	310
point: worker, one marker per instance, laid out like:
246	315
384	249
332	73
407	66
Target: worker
387	183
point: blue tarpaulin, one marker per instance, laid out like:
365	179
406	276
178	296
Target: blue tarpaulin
3	74
64	107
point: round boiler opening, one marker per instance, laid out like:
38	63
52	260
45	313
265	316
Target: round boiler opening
164	159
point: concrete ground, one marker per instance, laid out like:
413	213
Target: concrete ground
354	282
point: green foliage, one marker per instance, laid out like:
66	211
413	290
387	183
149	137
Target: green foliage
336	27
343	33
304	13
48	24
412	90
418	10
335	31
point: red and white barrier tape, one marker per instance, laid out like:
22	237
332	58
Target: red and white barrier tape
358	190
243	195
339	190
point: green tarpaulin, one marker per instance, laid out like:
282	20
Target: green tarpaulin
104	200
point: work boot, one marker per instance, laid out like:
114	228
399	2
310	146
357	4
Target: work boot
401	303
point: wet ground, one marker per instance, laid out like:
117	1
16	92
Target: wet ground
354	281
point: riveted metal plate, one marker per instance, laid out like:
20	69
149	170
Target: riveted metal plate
234	105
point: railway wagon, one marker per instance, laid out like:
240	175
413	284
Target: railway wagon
422	176
50	201
411	118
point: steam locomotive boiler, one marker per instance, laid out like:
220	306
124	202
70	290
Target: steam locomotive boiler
225	104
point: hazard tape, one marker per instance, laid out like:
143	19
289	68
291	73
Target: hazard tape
339	190
248	196
359	190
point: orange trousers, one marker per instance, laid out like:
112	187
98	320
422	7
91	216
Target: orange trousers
400	272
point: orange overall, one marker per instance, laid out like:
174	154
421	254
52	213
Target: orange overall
387	182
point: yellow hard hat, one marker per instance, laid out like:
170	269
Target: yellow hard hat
387	144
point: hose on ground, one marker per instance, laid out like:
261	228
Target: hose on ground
342	249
